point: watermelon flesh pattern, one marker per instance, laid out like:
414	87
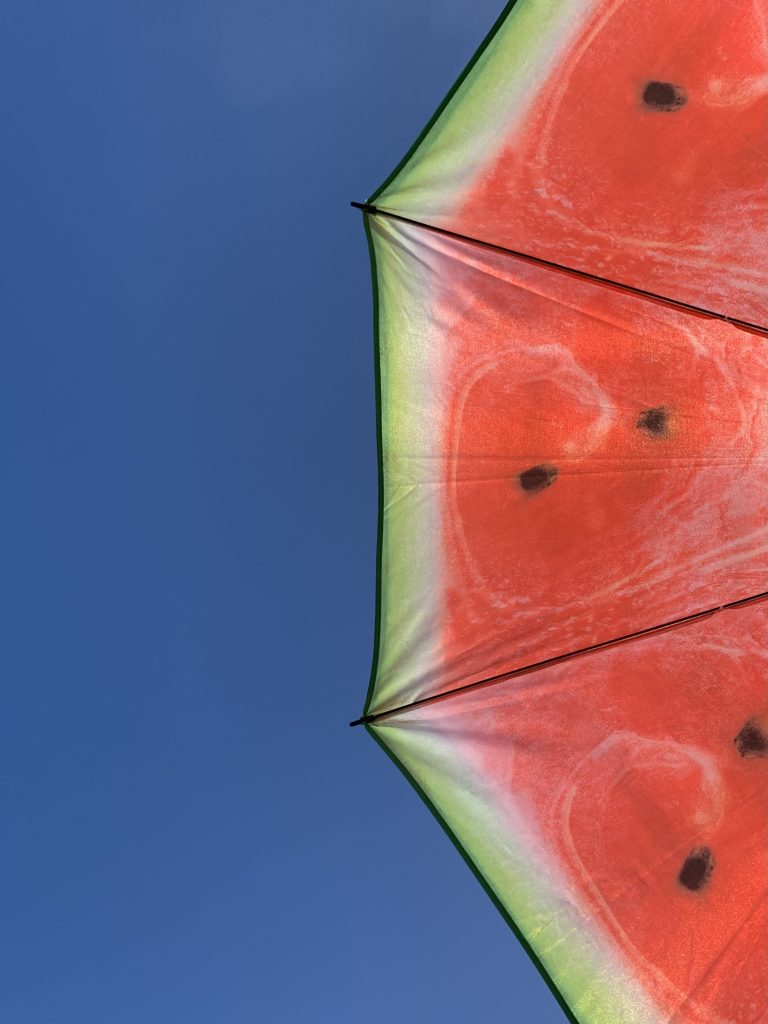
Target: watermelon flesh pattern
669	196
605	460
593	463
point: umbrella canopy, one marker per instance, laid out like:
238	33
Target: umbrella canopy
571	658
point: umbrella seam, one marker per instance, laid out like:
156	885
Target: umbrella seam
687	307
502	677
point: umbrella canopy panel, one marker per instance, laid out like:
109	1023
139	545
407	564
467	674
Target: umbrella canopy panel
563	463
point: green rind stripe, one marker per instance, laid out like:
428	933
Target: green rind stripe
446	100
479	876
380	463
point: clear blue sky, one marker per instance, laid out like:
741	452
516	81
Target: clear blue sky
190	832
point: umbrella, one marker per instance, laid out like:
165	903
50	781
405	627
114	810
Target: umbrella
572	369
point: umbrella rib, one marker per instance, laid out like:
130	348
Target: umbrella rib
547	662
539	261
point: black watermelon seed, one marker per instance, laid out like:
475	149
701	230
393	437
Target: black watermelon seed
698	866
654	421
752	740
537	478
664	96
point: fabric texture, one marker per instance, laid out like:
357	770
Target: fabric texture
570	465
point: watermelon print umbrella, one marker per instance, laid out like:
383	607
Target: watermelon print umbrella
571	647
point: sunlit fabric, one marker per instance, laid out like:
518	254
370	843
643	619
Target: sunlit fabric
571	659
